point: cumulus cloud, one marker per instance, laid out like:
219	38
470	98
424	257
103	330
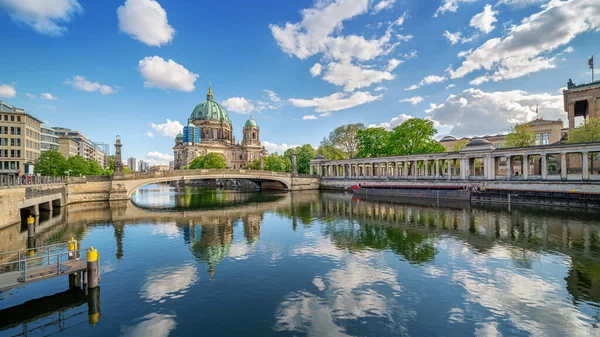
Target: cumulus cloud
48	96
428	80
335	102
168	129
413	100
83	84
484	21
454	38
520	3
380	88
150	134
273	96
45	17
475	112
524	48
383	4
450	86
316	70
272	147
7	90
401	118
146	21
450	6
158	158
238	104
392	64
309	117
30	95
354	77
166	75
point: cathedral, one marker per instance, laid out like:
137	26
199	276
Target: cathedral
209	130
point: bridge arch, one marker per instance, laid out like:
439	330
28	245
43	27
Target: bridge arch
134	184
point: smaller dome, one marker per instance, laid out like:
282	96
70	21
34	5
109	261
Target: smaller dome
447	139
319	157
251	122
179	135
264	151
478	141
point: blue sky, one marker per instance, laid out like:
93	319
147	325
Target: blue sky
137	68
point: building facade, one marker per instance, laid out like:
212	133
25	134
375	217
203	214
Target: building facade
85	147
132	163
142	166
48	139
581	101
67	147
19	140
209	130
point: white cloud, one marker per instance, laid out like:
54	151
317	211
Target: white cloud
413	100
158	158
392	64
520	3
354	77
457	37
450	6
30	95
475	112
401	19
168	129
272	147
450	86
166	74
81	83
150	134
7	90
524	48
316	70
484	21
239	105
380	88
464	53
428	80
401	118
48	96
568	50
44	17
146	21
273	96
383	4
335	102
309	117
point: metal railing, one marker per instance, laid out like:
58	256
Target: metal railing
10	180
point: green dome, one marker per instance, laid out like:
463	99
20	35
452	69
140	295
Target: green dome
179	135
251	122
210	110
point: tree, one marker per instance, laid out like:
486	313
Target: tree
304	154
414	136
94	168
458	146
272	162
372	142
588	132
344	138
331	152
51	163
520	136
209	161
78	166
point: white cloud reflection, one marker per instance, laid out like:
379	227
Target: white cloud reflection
151	325
167	283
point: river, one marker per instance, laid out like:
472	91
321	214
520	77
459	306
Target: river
206	262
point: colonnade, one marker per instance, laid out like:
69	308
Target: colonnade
482	162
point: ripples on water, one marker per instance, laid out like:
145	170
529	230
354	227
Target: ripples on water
187	261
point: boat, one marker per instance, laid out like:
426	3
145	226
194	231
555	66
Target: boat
443	192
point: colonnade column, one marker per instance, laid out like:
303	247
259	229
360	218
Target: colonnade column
449	161
509	167
585	166
544	167
563	166
415	169
437	168
405	169
525	166
396	169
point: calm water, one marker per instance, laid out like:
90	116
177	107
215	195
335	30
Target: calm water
191	262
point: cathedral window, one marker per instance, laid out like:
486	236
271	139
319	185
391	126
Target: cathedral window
253	135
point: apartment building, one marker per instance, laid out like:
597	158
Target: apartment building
19	140
85	147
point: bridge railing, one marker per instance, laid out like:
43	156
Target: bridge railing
184	173
7	181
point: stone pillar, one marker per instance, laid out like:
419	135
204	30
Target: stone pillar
525	166
415	174
395	169
437	169
571	114
449	161
464	168
544	167
405	169
509	167
585	166
486	169
563	166
294	167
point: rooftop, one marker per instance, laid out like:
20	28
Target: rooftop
571	85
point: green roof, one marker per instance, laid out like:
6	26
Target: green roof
179	135
251	122
210	110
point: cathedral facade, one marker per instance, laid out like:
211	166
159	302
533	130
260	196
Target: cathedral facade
209	130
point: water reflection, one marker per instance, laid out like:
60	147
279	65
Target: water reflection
328	264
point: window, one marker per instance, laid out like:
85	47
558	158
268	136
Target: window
15	131
15	142
18	118
4	153
4	130
3	141
15	153
542	138
12	118
6	118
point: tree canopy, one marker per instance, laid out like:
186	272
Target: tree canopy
458	146
272	162
414	136
331	152
51	163
344	138
209	161
588	132
520	136
304	154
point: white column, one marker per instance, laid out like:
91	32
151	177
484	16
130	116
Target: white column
486	169
544	167
509	167
437	169
449	161
405	169
395	169
415	169
563	166
585	166
525	166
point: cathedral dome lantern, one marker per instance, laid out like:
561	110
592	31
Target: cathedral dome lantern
210	110
251	122
251	132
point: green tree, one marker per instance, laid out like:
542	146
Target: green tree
209	161
51	163
344	138
304	154
94	168
588	132
372	142
520	136
78	166
458	146
414	136
272	162
331	152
